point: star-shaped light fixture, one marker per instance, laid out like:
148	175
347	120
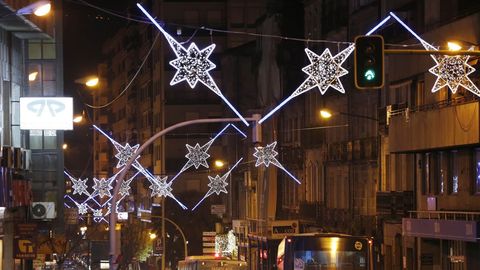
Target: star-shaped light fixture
451	70
82	208
324	71
124	153
267	155
197	155
79	186
161	188
217	184
102	187
192	64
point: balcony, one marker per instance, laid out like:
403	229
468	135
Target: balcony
463	226
439	125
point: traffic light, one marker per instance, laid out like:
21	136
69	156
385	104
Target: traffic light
369	62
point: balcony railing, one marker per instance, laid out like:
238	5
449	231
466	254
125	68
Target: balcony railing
445	215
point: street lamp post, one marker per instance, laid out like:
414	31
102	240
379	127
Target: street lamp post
122	174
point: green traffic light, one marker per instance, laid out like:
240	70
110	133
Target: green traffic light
369	75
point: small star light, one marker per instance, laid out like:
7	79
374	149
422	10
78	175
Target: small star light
197	155
266	155
82	208
217	184
160	187
192	64
79	186
125	153
102	187
451	70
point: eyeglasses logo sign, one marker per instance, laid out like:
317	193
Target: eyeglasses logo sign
46	113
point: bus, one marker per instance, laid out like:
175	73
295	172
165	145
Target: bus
210	263
325	251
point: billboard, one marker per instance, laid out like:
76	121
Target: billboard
54	113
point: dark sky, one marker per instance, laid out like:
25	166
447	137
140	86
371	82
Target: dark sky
85	30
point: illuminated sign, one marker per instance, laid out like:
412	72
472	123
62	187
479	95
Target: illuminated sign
46	113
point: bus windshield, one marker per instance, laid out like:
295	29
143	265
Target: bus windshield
324	252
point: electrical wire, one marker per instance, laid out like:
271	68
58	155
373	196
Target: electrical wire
210	29
131	80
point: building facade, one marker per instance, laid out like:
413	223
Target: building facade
32	160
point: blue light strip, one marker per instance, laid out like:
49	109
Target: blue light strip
378	26
408	28
239	131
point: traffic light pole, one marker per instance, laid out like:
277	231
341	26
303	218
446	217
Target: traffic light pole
425	52
113	215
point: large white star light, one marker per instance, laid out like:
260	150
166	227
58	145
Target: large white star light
451	70
192	65
217	184
267	155
323	72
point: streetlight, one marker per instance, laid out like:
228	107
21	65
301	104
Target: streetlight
326	114
39	8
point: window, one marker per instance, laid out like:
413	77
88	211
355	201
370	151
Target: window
453	177
476	185
43	139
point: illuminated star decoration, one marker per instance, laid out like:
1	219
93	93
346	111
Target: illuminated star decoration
162	188
267	155
102	187
82	208
217	184
323	72
192	64
124	154
451	70
197	155
79	186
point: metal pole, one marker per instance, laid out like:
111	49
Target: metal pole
164	245
427	52
122	174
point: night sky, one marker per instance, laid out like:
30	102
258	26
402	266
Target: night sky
86	29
